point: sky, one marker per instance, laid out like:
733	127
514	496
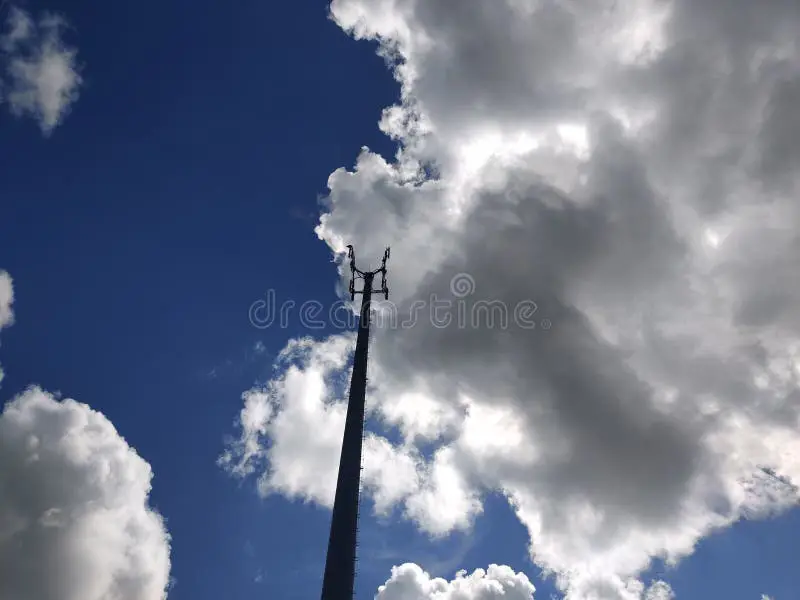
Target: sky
585	385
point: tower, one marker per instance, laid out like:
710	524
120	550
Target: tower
340	562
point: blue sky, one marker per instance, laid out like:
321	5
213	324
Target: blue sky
183	183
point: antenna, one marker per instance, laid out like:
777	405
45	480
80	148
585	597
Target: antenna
339	578
356	273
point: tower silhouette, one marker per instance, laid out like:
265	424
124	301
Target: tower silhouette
340	562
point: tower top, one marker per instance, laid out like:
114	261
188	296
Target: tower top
367	276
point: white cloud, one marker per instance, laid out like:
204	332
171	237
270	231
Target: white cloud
659	591
6	299
291	406
389	473
74	518
308	396
6	302
410	582
628	167
43	77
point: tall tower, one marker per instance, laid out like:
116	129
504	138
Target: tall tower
340	562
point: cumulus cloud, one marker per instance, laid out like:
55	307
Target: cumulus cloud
282	415
41	76
618	178
410	582
74	517
310	396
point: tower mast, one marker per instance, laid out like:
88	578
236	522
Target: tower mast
339	579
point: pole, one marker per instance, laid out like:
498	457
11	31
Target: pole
340	563
338	582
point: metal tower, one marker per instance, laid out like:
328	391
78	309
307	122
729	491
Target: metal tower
340	563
